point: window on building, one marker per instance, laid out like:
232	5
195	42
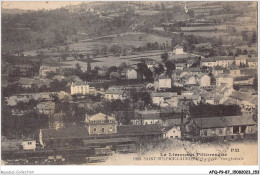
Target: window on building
243	129
205	133
110	121
220	131
171	137
94	121
236	129
94	129
102	130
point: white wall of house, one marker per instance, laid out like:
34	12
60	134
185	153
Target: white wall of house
83	89
225	80
208	64
224	63
29	145
114	97
235	73
191	81
239	62
174	132
179	51
252	64
165	83
132	74
204	81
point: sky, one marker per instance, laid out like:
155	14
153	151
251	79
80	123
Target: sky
36	5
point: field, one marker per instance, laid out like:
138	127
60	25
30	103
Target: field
129	40
146	12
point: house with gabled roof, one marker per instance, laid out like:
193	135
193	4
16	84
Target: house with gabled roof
129	73
147	117
101	124
79	88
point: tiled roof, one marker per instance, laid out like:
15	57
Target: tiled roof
225	58
241	96
74	132
80	83
126	70
254	59
149	114
175	122
162	76
28	139
139	129
220	122
100	116
242	78
254	101
208	60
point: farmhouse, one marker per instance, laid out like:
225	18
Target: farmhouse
129	74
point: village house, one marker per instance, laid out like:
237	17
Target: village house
147	117
229	127
28	144
235	72
252	62
245	80
241	60
46	107
208	62
224	61
164	82
56	121
180	65
245	101
101	124
29	82
164	99
116	95
178	50
44	70
204	80
103	71
225	79
173	128
79	88
189	80
129	74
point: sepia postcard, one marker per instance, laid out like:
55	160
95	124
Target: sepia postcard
129	83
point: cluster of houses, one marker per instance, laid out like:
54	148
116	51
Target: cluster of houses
206	80
102	129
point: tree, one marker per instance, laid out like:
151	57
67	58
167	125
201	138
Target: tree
245	52
238	52
254	37
89	65
159	70
78	67
170	66
164	56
